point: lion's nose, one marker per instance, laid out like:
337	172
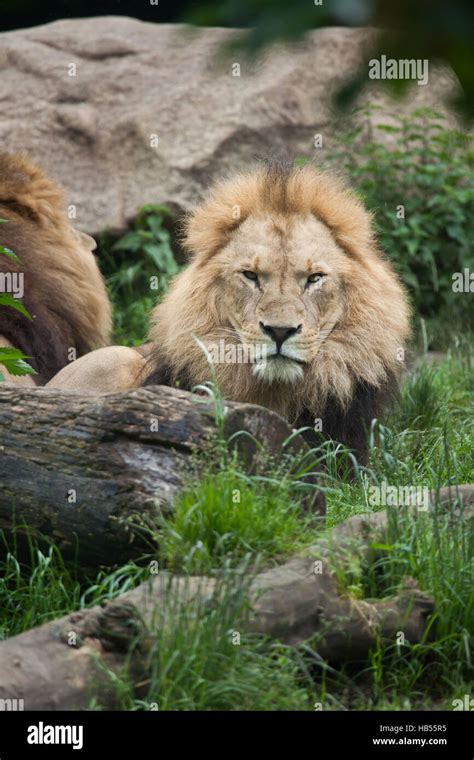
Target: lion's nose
278	333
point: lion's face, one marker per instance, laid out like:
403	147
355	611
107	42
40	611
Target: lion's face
295	288
281	280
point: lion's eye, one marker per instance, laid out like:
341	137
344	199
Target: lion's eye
316	277
250	275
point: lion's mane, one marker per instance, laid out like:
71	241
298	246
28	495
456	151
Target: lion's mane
63	289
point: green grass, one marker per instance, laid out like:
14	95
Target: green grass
229	514
201	658
437	550
42	587
32	596
427	440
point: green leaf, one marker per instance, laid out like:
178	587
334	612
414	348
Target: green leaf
8	252
129	242
454	231
162	257
382	547
388	128
155	224
14	362
7	300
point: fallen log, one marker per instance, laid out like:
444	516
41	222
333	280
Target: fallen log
64	663
77	469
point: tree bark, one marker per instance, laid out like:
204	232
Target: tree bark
78	469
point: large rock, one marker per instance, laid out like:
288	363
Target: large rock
93	131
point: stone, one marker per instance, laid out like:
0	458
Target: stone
124	112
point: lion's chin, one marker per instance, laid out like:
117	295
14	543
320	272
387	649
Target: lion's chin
278	370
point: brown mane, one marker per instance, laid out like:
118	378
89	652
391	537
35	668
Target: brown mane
63	288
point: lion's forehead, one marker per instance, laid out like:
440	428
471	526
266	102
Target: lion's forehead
285	242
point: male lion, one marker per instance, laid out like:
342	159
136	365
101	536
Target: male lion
55	275
286	269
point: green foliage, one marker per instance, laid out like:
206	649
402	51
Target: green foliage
6	299
428	170
138	267
32	596
150	237
7	251
14	362
429	437
426	441
438	551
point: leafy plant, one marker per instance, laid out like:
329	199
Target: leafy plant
417	176
138	267
150	236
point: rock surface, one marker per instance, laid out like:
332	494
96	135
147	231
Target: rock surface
89	99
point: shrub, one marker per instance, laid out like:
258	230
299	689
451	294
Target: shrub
138	267
420	184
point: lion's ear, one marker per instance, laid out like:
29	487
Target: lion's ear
208	230
85	241
228	204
